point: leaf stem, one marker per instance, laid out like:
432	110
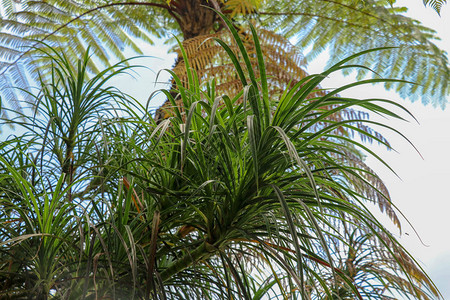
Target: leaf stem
204	251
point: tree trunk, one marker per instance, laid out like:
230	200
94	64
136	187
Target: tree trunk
195	18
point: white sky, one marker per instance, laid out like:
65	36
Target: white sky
421	193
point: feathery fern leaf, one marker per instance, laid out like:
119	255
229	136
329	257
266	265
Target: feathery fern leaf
59	23
435	4
344	27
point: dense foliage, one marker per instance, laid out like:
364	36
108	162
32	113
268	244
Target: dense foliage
229	198
342	27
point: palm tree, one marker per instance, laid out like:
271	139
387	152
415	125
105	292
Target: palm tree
232	197
343	27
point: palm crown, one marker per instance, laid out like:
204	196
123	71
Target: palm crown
101	201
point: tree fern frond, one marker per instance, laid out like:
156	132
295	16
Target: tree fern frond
54	21
284	63
6	85
8	53
435	4
19	28
11	40
240	7
96	43
343	26
46	10
8	8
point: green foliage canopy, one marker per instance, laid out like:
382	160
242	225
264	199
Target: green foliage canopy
98	200
341	26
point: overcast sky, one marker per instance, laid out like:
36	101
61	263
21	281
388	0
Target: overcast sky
421	192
